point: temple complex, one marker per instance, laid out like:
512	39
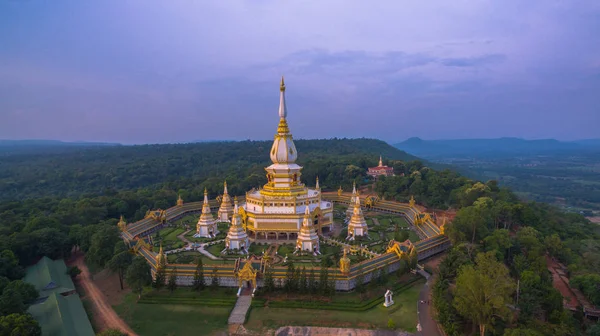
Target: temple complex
207	225
277	210
380	170
236	236
357	226
225	210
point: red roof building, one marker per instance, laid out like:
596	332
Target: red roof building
380	170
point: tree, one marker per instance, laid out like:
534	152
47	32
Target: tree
11	302
400	235
312	282
138	275
289	279
522	332
198	283
391	324
9	266
26	290
74	271
160	279
102	245
303	285
111	332
172	285
119	264
594	330
269	281
19	325
323	281
214	282
483	292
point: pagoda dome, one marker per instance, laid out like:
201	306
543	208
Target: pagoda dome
283	150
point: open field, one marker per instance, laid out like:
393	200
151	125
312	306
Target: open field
172	319
403	313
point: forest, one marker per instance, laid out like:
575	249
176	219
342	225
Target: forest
73	197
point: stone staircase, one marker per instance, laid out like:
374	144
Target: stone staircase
238	314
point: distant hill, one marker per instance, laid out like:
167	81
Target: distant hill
16	147
50	143
93	169
432	149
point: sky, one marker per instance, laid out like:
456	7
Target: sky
150	71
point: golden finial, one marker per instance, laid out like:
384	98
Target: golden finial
205	191
282	85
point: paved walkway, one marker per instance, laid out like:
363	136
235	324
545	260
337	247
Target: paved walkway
428	326
323	331
238	314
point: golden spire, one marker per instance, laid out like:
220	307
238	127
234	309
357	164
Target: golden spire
122	223
161	257
380	161
345	263
225	187
282	85
317	185
179	200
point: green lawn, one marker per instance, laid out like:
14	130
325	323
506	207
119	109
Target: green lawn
172	319
403	313
191	257
216	249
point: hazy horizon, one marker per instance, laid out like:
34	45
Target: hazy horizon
166	72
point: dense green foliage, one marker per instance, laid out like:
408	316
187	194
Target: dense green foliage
102	170
74	197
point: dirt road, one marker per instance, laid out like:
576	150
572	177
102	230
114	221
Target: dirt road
102	310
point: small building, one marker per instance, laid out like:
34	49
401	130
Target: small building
62	316
59	309
380	170
50	276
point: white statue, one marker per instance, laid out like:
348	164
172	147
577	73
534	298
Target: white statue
388	298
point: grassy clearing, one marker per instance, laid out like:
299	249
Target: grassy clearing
403	313
172	319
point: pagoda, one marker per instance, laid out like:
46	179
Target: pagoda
358	225
207	225
277	210
225	210
307	238
380	170
236	237
349	211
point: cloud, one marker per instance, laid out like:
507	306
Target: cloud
473	61
173	71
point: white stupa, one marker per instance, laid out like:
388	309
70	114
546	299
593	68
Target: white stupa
236	236
308	240
225	210
207	225
358	225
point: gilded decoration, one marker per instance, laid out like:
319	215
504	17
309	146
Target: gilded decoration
345	263
247	273
244	216
411	203
122	224
157	215
140	243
